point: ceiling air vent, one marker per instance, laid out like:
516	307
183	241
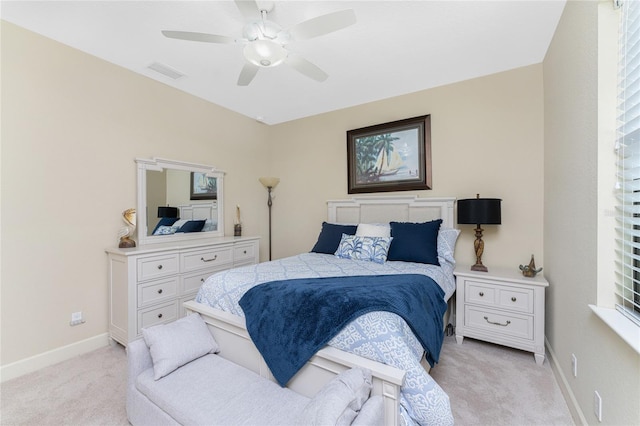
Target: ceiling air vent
166	70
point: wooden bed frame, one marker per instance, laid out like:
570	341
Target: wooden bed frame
230	331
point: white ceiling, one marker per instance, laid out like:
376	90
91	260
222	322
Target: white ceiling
395	47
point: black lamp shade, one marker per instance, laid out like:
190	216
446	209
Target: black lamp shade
479	211
171	212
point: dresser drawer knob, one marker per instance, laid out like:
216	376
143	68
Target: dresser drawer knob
201	280
513	299
159	266
497	323
209	260
160	291
159	315
481	294
245	252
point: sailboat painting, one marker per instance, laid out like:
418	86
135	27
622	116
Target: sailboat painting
203	187
390	157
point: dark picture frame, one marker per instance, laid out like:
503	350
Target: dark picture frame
394	156
203	187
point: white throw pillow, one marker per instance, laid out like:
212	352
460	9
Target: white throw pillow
177	343
447	238
373	230
339	401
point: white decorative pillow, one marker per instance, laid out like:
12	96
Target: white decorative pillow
165	230
372	249
178	343
339	401
373	230
447	238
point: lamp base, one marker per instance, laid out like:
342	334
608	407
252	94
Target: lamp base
479	267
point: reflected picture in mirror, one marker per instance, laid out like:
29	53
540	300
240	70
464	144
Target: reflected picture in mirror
203	187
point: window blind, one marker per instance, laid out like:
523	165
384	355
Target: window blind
628	164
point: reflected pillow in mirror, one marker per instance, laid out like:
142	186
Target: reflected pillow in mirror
209	225
165	230
192	226
165	221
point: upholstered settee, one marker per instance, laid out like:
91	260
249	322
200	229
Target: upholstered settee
176	378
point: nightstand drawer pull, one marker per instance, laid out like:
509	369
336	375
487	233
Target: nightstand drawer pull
159	266
481	294
159	315
497	323
513	299
209	260
160	291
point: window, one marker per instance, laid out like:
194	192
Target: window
628	164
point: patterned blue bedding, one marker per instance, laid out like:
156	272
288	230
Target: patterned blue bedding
380	336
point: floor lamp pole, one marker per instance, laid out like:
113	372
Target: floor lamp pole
269	203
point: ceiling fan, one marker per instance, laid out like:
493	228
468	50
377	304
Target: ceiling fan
265	40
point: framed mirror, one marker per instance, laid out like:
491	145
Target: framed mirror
178	201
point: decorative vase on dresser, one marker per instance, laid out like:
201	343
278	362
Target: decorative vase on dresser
501	306
149	284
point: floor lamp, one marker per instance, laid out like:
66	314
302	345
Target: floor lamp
270	183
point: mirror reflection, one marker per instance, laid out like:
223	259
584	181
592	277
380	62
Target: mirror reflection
180	201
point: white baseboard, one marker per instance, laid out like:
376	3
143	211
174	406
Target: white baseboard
569	397
36	362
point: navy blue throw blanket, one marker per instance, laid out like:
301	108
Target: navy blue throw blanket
290	320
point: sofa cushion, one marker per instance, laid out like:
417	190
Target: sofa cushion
174	344
213	390
339	401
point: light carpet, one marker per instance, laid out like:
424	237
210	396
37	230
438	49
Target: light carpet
487	385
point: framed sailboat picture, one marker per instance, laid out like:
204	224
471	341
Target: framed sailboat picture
393	156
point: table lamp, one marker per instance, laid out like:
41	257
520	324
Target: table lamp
479	211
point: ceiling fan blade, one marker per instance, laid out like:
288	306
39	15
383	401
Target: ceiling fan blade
246	75
307	68
323	24
207	38
249	9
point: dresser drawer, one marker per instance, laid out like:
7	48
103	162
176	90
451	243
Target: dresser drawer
157	315
245	254
155	292
209	258
497	322
192	282
157	266
495	295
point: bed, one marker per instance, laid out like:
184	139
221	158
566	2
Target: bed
380	341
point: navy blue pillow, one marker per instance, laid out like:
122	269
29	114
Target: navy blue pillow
415	242
192	226
165	221
330	236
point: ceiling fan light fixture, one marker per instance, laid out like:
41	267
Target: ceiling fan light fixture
265	53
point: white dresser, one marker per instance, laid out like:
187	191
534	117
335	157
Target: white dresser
149	284
501	306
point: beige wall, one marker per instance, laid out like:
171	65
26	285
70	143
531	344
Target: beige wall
578	177
486	138
71	127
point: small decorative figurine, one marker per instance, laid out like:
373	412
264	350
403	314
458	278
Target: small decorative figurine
530	270
129	216
237	227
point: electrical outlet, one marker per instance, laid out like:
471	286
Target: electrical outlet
76	319
574	365
597	405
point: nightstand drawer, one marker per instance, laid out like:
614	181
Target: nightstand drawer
157	267
494	295
209	258
497	322
157	291
159	315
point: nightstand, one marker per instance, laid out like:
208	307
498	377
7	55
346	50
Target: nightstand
501	306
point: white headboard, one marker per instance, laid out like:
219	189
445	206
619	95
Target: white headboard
200	211
382	209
